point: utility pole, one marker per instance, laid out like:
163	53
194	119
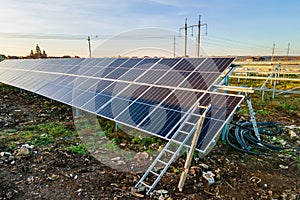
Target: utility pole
199	28
89	42
185	36
199	31
288	51
174	46
273	51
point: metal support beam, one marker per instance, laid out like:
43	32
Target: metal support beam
234	88
275	80
77	112
252	116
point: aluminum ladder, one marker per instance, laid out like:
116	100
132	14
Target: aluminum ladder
168	155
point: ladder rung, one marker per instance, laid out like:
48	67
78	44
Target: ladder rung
169	151
190	123
163	162
156	174
184	132
181	134
148	186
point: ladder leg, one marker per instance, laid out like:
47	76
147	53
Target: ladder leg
192	149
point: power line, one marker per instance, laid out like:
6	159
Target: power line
239	42
212	39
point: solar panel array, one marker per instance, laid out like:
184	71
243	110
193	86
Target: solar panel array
154	95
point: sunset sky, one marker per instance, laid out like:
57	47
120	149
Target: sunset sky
235	27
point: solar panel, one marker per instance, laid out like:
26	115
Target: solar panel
154	95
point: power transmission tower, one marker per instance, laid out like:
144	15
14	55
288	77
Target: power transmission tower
199	35
288	51
89	42
273	51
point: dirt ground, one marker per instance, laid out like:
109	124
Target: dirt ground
50	171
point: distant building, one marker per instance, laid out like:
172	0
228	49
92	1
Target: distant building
38	53
14	57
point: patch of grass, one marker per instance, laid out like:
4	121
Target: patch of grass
56	130
289	152
176	170
136	140
288	107
41	140
149	150
79	149
150	140
263	112
109	145
12	145
10	130
100	134
261	103
244	111
273	139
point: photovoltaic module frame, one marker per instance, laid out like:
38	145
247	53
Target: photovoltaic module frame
154	95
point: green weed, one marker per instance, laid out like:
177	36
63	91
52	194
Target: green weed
288	107
56	130
41	140
263	112
79	149
109	145
244	111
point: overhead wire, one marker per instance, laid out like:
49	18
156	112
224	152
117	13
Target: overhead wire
209	40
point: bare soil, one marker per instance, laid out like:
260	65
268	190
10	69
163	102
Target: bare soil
52	172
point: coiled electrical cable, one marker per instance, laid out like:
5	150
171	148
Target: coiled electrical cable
243	138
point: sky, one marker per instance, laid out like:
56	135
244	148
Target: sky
235	27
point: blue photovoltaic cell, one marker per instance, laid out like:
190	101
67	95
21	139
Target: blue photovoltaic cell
86	84
66	98
131	63
166	64
132	75
82	98
150	94
102	85
60	93
133	92
151	76
96	103
146	63
114	108
49	89
137	111
116	63
115	74
189	64
154	95
171	118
